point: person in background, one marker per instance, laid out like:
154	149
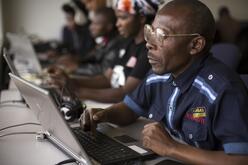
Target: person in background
107	39
93	5
131	65
228	28
76	39
198	105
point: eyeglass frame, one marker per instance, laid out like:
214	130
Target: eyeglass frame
162	33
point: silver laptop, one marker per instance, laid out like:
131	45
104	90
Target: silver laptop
37	79
63	136
25	59
10	63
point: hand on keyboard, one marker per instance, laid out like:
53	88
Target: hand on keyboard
91	117
57	76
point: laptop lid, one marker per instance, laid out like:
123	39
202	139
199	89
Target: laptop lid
24	53
34	78
52	121
10	63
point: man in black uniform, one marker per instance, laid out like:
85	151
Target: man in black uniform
132	63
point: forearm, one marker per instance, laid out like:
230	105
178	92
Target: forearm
108	95
192	155
120	114
97	82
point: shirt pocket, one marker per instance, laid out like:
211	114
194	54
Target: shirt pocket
194	133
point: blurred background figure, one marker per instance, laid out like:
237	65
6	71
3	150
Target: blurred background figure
228	28
131	65
93	5
107	39
76	39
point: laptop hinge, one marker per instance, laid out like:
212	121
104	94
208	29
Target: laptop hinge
66	149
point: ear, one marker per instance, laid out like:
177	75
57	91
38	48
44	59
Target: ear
197	44
142	19
110	26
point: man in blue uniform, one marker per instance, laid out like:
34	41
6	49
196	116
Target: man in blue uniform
190	95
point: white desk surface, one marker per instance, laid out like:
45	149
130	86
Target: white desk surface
26	150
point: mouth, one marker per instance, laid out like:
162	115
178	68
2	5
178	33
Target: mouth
151	59
121	32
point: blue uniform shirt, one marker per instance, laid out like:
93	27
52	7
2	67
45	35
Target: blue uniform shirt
206	106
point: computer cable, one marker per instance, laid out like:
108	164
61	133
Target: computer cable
18	125
11	101
18	133
13	105
67	161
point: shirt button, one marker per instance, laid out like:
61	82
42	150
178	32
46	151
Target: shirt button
170	108
150	116
210	77
190	136
174	84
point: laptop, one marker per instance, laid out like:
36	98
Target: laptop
10	63
72	140
25	59
32	77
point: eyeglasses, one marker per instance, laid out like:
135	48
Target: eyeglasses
157	36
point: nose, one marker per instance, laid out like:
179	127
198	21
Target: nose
150	46
91	27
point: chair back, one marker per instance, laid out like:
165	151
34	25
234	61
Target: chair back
244	77
229	54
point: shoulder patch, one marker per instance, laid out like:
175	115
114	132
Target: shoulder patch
205	89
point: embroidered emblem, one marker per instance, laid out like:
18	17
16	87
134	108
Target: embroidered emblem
197	114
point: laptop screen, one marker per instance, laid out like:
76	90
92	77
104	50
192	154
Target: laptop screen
24	53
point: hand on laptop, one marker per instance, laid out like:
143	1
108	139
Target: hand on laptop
57	77
91	117
68	63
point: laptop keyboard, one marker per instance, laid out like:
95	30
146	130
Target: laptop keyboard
104	149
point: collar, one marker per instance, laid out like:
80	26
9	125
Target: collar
185	79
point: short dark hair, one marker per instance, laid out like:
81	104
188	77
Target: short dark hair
68	9
198	17
107	12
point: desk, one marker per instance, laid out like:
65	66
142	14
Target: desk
26	150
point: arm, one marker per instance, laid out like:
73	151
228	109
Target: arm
118	114
109	95
157	139
99	81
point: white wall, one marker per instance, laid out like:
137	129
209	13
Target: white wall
45	18
41	17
